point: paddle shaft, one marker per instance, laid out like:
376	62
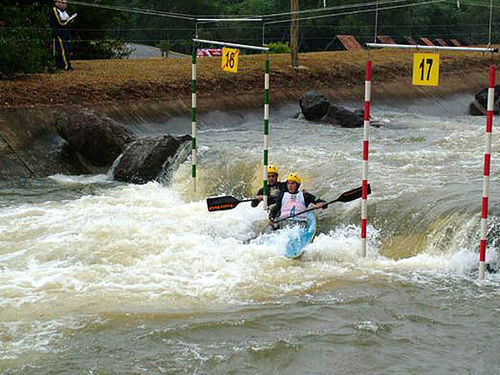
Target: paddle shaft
348	196
305	211
247	200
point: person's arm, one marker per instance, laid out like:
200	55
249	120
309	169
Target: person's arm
57	18
309	198
276	208
258	198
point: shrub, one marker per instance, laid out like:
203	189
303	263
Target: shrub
23	51
164	46
100	49
278	47
25	42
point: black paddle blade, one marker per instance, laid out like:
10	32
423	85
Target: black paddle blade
353	194
222	203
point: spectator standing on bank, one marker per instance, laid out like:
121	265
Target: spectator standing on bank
59	22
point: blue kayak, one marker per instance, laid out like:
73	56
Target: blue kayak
299	240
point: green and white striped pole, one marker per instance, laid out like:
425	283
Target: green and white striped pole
193	117
266	132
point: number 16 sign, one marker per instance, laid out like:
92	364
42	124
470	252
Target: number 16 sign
426	69
230	60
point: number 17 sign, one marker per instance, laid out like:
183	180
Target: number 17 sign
426	69
230	60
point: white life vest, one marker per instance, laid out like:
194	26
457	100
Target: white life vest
292	204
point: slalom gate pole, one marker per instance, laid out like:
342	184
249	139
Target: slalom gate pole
266	134
194	157
486	174
366	135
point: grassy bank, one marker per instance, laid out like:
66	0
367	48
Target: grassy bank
122	81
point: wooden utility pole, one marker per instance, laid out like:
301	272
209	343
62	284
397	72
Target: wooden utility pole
294	33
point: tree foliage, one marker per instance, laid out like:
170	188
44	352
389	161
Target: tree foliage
440	20
25	41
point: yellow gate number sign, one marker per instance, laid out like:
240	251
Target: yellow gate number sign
230	60
426	69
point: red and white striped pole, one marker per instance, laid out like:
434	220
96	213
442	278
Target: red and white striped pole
366	134
486	174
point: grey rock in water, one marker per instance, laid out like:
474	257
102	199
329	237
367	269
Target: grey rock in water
99	139
149	159
314	105
480	104
31	147
345	118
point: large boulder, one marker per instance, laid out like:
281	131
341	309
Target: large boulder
31	147
345	118
99	139
148	159
314	105
480	104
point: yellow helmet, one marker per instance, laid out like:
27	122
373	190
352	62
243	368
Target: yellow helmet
271	168
294	177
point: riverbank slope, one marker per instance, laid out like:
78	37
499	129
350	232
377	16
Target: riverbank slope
120	81
155	90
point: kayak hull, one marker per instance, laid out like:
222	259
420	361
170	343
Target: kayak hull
297	242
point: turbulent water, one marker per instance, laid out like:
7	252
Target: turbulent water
99	277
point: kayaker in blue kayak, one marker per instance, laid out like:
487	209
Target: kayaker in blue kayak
292	201
275	187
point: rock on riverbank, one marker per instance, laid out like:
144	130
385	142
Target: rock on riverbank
77	140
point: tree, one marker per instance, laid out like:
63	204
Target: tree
24	38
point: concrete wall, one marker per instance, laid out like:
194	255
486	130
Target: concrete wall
31	147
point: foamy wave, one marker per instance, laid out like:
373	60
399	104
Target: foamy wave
81	179
36	337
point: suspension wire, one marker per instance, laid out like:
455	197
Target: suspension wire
209	20
337	7
230	18
362	11
437	26
267	16
490	25
477	4
134	10
193	17
126	9
491	21
276	38
130	40
161	13
376	23
223	17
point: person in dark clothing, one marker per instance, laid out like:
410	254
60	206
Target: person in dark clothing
275	188
59	22
293	201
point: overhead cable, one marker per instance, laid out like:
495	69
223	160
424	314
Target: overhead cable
337	7
477	4
128	29
359	11
134	10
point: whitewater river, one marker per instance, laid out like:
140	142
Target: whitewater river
99	277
